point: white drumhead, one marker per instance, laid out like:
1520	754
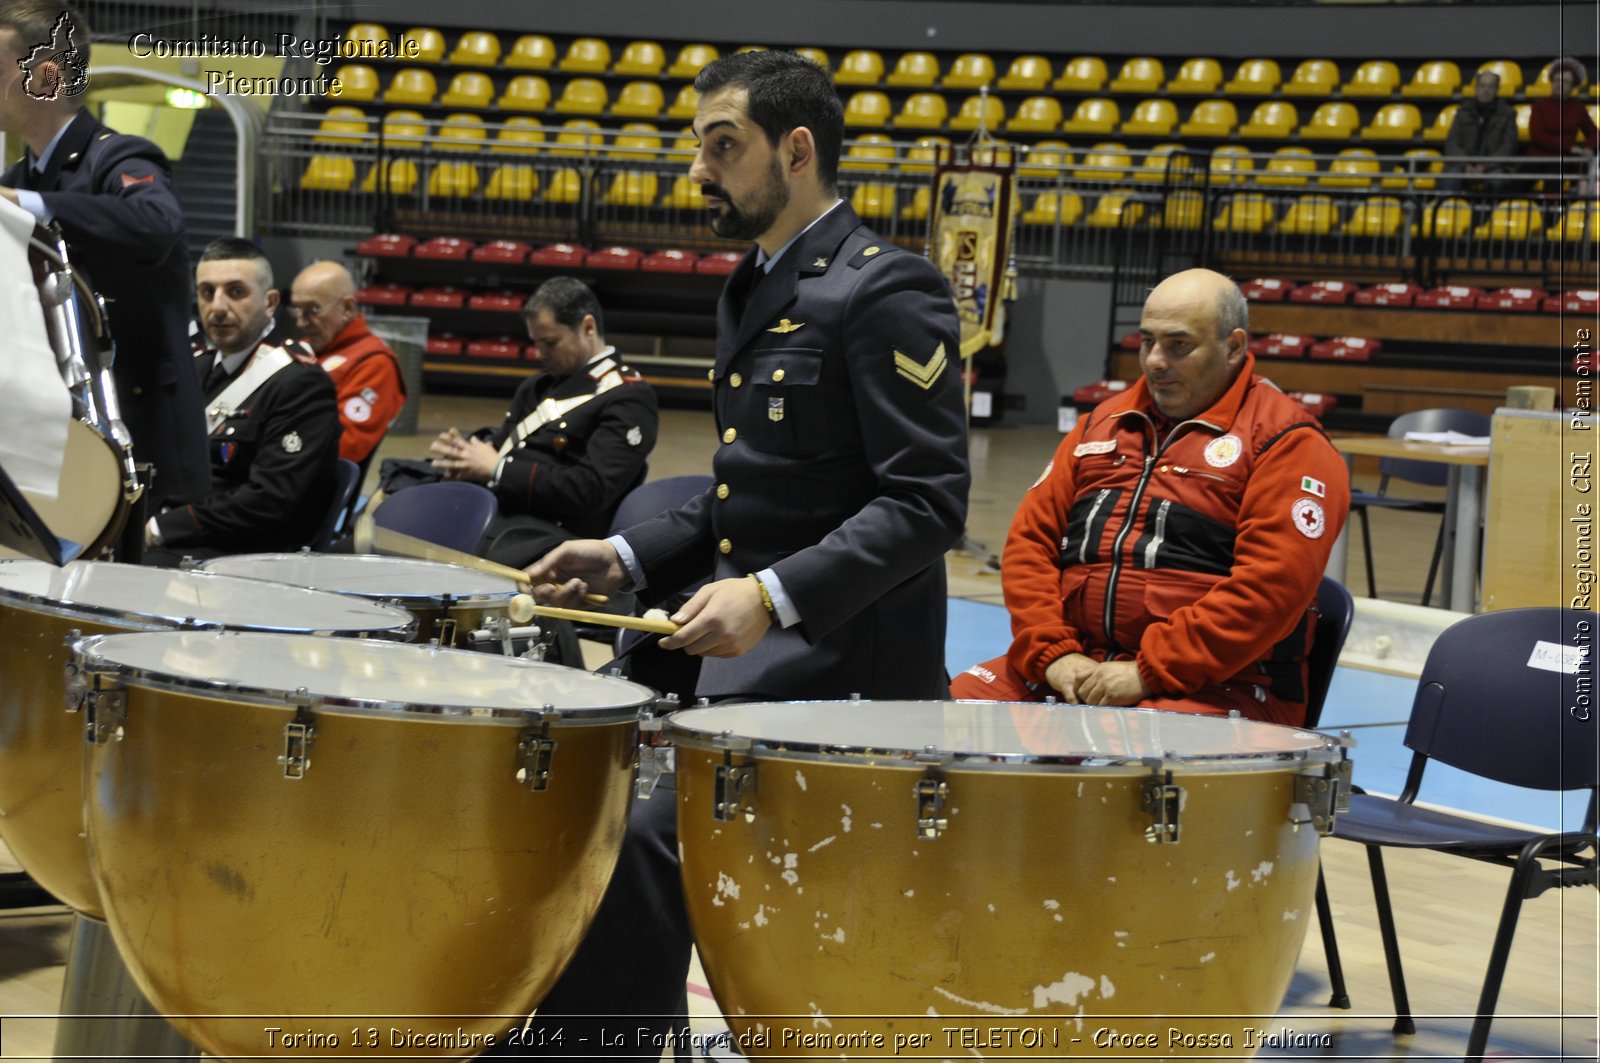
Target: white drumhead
991	731
354	674
139	597
368	575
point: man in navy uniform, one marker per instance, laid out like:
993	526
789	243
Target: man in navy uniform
273	419
841	481
111	195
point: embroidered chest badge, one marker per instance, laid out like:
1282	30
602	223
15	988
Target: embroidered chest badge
357	410
1313	486
1223	451
635	436
1308	518
786	326
292	443
775	409
1100	446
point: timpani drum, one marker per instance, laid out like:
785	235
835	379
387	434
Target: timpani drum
382	847
448	601
877	878
42	735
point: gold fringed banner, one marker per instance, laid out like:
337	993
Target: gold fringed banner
974	214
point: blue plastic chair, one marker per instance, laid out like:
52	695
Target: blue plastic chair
656	497
1334	610
453	514
1430	473
347	480
1494	701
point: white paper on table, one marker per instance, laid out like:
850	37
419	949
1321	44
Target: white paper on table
35	408
1449	439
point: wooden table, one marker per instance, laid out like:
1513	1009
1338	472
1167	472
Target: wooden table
1463	506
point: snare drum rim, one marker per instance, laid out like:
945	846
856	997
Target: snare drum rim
442	600
85	655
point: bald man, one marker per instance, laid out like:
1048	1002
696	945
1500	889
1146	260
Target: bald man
1168	555
364	370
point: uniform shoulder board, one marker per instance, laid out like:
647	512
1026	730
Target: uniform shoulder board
629	374
871	252
107	135
300	351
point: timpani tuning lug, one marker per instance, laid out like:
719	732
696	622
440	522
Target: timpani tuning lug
536	749
298	734
734	787
105	710
1320	797
1163	799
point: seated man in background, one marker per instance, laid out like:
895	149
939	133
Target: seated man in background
574	441
274	426
365	371
1484	129
1169	554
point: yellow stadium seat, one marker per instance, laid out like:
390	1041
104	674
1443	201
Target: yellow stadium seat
921	203
870	151
970	70
1524	113
1247	213
1142	73
1198	76
1394	121
1045	159
341	125
1151	118
1512	219
453	180
404	128
683	108
1510	73
476	48
358	82
1289	166
867	109
462	132
1540	85
532	51
1334	120
636	141
1271	120
1416	170
817	56
922	110
525	92
578	136
1104	162
1375	77
468	89
1309	216
1027	73
586	55
411	85
1378	216
582	96
1054	208
639	99
367	31
632	189
640	59
873	200
684	195
1313	77
924	154
329	173
1231	164
1154	165
1093	116
691	58
1036	114
1113	210
519	183
1184	209
520	135
1444	218
1255	77
1210	118
422	44
1082	73
975	110
1439	128
1438	77
397	176
1580	221
914	70
684	148
566	186
860	67
1351	168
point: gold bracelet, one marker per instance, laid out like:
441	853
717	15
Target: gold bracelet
766	599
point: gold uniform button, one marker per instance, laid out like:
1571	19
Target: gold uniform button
735	380
726	546
777	376
711	375
874	249
729	436
722	490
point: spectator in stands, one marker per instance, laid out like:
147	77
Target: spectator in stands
574	441
272	417
1181	583
1482	142
1558	123
365	371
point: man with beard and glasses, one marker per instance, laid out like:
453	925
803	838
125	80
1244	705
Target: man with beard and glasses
840	483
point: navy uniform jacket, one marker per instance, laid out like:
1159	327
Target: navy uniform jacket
595	428
272	466
843	467
112	197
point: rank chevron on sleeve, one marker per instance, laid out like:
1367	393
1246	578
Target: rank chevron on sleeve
922	374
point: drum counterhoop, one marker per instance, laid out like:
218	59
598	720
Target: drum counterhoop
907	878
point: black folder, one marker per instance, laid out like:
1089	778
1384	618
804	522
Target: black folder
23	531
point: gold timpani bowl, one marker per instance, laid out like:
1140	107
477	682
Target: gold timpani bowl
958	879
41	734
448	601
349	843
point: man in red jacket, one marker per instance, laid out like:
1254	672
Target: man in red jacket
1169	553
365	371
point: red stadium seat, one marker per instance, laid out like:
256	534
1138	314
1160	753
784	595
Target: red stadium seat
1450	297
669	260
387	245
721	263
384	295
495	347
1346	349
444	249
1317	403
567	255
1577	302
1099	391
1280	345
1520	300
514	252
446	344
1323	292
439	298
1387	295
496	302
1266	290
614	258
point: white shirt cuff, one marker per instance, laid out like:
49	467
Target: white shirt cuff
782	604
630	561
33	203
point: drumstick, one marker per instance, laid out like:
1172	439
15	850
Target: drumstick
522	608
410	546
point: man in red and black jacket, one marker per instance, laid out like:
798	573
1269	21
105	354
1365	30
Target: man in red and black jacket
1169	553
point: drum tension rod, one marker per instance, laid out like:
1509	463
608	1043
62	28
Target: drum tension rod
1163	799
298	734
105	706
536	749
734	792
1318	798
656	757
932	793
